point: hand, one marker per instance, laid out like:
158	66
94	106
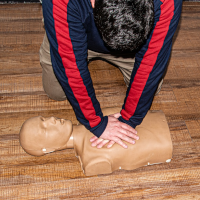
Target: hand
115	131
92	2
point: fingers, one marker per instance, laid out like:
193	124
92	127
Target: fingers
119	141
93	138
101	144
124	133
104	142
128	128
110	144
96	142
117	132
125	138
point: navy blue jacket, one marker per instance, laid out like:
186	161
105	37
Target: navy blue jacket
71	31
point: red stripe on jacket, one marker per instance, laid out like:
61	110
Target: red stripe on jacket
67	55
149	59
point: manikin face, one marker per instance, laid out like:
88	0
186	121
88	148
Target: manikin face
44	135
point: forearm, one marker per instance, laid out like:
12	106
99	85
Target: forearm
68	49
150	63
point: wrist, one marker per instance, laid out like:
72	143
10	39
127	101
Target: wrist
121	119
99	129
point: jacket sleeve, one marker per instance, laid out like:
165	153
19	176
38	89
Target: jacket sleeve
68	49
151	62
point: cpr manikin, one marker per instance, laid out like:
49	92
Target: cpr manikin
39	136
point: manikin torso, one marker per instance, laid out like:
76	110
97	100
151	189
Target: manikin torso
154	146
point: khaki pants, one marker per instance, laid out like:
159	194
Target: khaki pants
50	83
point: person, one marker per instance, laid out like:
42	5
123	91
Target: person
39	136
134	35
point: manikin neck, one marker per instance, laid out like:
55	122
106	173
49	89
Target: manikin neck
70	143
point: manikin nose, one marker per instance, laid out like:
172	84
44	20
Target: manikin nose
51	119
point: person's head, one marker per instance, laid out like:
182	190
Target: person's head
39	135
124	24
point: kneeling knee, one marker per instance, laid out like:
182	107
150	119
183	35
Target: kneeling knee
55	93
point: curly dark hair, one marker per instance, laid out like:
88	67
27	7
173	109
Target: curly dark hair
124	24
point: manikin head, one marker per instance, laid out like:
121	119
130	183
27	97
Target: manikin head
40	135
124	24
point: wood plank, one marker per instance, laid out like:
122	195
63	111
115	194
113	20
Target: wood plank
22	38
187	62
21	26
182	110
194	129
10	12
179	133
134	186
52	167
24	63
19	50
165	95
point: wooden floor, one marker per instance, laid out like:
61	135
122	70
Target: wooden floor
58	175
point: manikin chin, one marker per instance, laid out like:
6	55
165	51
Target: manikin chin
40	135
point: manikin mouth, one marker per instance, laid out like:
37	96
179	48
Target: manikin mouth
62	121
